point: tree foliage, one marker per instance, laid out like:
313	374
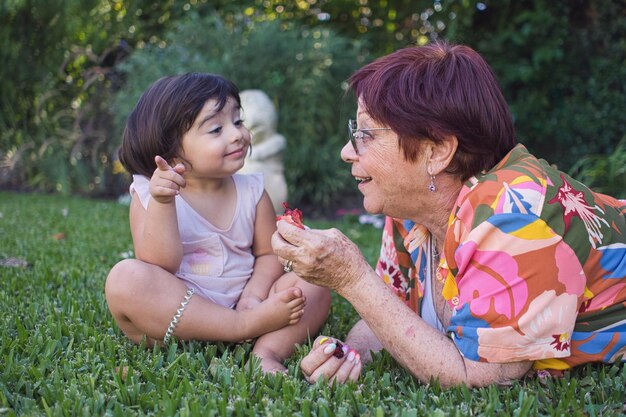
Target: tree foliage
596	168
301	70
59	59
561	64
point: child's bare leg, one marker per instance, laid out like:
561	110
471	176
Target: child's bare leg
247	303
274	347
143	299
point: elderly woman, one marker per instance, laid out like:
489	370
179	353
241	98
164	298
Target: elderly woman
493	262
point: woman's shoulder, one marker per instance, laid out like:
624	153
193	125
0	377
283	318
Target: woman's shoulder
525	187
518	184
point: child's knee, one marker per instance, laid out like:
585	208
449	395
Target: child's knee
324	297
322	294
120	279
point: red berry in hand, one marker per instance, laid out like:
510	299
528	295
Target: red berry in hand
338	353
292	216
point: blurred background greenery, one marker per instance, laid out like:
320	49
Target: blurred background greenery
72	70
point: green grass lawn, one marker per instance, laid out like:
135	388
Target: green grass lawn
61	353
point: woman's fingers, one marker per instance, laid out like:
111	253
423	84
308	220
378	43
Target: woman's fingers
287	230
355	373
322	349
322	363
322	257
350	369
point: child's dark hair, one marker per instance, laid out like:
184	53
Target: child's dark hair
164	113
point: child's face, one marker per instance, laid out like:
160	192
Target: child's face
217	143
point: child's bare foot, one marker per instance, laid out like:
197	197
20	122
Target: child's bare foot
270	364
280	309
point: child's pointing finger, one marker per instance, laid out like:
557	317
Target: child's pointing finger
162	163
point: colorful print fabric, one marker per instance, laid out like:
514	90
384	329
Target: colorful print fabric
534	265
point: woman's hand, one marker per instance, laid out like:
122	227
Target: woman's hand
331	359
166	181
322	257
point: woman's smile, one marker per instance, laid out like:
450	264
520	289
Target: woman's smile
362	180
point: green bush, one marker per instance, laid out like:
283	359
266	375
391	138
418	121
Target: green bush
560	63
57	75
36	119
604	173
562	66
301	70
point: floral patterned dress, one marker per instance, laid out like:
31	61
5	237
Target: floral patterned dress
534	267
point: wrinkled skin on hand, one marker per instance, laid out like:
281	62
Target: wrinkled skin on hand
322	257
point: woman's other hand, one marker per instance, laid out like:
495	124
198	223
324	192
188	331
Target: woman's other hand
322	257
331	359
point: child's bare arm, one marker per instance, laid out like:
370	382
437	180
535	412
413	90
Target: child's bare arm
155	229
267	268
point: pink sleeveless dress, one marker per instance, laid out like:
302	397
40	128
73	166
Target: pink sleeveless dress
217	263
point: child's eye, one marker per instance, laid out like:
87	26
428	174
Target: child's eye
238	123
216	130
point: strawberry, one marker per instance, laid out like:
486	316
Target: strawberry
292	216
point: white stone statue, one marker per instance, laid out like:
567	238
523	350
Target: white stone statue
260	117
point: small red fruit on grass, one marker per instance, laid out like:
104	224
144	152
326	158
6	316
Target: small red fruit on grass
292	216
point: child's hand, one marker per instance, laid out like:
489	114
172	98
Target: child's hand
166	181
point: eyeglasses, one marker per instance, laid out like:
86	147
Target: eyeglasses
356	135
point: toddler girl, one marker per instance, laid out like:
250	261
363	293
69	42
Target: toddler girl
205	269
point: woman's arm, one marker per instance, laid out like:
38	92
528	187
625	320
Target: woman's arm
329	258
421	349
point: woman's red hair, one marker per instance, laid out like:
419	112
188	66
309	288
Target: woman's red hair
437	91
